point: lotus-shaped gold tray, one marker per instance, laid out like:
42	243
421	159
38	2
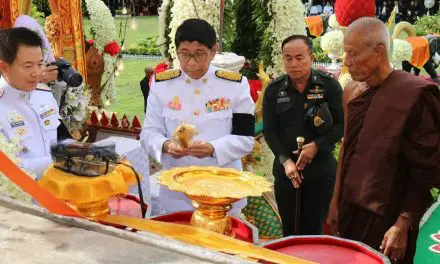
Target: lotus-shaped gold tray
213	190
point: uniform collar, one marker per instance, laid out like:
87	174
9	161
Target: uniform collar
316	79
10	92
204	79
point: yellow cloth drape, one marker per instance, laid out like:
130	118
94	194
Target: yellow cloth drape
24	7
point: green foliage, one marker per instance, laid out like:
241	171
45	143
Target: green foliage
147	46
336	151
42	6
39	16
229	31
251	22
262	19
427	24
435	194
167	53
320	55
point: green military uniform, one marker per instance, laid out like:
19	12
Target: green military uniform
317	115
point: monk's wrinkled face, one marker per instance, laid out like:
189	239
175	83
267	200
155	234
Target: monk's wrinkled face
362	61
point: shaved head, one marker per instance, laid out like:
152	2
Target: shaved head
372	31
366	46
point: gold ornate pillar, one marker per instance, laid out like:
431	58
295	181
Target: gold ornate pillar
9	11
64	29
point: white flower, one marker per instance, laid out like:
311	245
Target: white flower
161	40
103	26
333	41
344	79
402	50
333	23
287	20
74	111
12	149
182	10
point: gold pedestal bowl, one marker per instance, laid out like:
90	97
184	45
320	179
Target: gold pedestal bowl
212	191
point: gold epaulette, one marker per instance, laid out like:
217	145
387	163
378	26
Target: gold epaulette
228	75
167	75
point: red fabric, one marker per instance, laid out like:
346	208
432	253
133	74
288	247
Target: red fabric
90	41
348	11
112	48
326	250
241	230
255	85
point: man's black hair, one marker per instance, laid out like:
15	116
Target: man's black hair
196	30
11	39
306	40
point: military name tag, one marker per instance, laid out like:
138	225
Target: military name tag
47	113
315	96
218	104
283	100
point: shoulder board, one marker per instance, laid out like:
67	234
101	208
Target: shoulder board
167	75
279	79
228	75
43	87
325	74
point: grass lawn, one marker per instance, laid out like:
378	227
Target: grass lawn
128	92
147	26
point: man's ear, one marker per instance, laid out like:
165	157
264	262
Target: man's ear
216	48
381	49
4	66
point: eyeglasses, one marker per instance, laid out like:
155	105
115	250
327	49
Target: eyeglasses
198	57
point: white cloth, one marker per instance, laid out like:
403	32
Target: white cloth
132	150
33	117
161	120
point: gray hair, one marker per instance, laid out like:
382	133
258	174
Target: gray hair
373	30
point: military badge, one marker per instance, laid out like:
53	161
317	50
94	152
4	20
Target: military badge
47	122
175	104
228	75
47	113
218	104
167	75
315	96
21	131
316	90
317	121
15	119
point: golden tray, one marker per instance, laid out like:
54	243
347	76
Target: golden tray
213	190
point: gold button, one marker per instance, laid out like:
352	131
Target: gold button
188	81
25	150
205	80
197	91
305	105
196	113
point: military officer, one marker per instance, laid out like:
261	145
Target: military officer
217	102
27	113
303	103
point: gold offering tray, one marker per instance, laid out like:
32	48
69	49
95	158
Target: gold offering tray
213	190
214	182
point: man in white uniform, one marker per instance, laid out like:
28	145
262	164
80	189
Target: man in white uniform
26	113
217	102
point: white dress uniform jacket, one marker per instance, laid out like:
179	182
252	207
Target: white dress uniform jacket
33	117
213	105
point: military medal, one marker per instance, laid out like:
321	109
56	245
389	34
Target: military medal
46	111
316	90
21	131
317	121
175	104
218	104
315	96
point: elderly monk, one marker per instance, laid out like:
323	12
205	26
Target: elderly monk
391	151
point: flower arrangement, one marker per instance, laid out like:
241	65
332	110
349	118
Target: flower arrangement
182	10
103	26
333	23
333	41
164	40
344	79
74	110
287	19
402	50
256	86
12	149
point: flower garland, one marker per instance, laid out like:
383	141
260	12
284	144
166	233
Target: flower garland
402	50
287	19
164	17
333	41
75	109
104	29
182	10
12	149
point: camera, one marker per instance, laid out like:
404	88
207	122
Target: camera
67	73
